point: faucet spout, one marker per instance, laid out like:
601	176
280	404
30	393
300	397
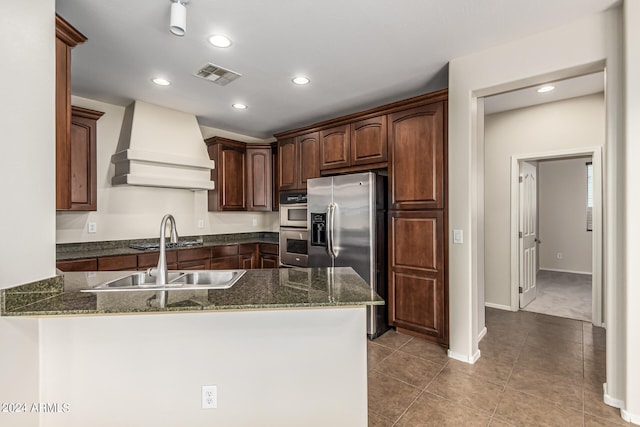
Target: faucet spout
162	274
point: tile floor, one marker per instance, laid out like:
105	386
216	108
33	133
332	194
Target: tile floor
535	370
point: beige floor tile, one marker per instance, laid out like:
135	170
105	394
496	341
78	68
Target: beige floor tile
388	396
426	350
563	333
596	339
376	420
410	369
595	355
499	353
557	344
484	369
376	354
555	321
547	386
495	422
523	410
591	421
594	376
466	390
548	361
594	405
431	410
392	339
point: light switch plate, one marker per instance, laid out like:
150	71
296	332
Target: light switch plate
457	237
92	227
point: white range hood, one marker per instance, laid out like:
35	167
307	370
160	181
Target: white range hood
160	147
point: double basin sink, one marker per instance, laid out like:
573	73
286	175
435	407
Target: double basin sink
177	280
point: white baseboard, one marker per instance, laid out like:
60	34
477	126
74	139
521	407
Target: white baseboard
629	417
560	270
482	333
470	360
611	401
498	306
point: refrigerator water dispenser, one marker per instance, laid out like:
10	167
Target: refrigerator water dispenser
319	229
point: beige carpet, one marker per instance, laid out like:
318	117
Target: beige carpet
562	294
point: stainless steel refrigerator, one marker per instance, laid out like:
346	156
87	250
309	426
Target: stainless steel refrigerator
347	228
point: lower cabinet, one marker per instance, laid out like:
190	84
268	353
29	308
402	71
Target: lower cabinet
224	257
418	300
89	264
118	262
247	255
150	260
194	259
268	256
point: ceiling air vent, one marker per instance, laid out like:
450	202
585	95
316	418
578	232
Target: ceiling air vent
216	74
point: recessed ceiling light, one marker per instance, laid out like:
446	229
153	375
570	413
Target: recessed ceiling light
160	81
300	80
239	106
218	40
547	88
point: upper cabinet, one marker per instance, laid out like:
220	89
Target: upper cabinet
229	174
298	161
356	146
416	157
243	175
83	159
66	38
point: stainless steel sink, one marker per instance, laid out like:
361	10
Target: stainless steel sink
177	280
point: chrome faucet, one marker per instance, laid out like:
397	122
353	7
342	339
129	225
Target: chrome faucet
162	276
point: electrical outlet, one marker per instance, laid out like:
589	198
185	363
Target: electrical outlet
254	222
92	227
201	223
209	397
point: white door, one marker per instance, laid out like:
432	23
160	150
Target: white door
528	233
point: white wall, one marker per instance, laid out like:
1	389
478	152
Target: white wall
272	368
632	211
27	179
584	46
562	215
132	212
572	123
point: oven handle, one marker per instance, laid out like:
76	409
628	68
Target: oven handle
331	213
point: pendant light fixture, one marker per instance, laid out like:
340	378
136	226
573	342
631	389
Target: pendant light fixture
178	22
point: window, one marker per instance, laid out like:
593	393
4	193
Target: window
589	196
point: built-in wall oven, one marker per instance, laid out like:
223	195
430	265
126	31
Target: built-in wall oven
293	229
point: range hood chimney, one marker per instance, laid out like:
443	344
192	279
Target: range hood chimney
160	147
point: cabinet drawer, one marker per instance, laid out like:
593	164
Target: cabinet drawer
246	248
89	264
268	248
151	259
120	262
193	254
222	251
225	263
201	264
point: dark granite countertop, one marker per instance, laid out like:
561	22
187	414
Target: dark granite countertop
256	290
72	251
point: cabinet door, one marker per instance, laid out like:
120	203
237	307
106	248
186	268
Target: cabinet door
416	158
417	292
201	264
259	179
309	166
369	141
233	176
83	159
335	148
287	165
269	261
150	260
225	263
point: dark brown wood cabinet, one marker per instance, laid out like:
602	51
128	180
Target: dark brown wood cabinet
224	257
416	158
369	142
335	148
84	192
118	263
88	264
194	259
268	255
417	290
150	260
298	161
259	178
229	174
67	37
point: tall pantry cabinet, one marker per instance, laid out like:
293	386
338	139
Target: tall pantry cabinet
418	292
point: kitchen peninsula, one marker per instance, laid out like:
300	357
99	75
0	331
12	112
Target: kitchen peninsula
283	346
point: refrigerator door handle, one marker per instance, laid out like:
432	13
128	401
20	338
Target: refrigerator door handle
330	223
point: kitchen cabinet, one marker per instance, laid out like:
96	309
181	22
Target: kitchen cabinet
259	178
268	256
298	161
248	256
417	292
67	37
83	183
229	174
118	263
150	260
89	264
353	147
416	157
194	259
224	257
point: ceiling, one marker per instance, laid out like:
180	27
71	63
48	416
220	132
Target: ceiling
357	53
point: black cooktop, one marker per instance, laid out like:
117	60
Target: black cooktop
156	245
